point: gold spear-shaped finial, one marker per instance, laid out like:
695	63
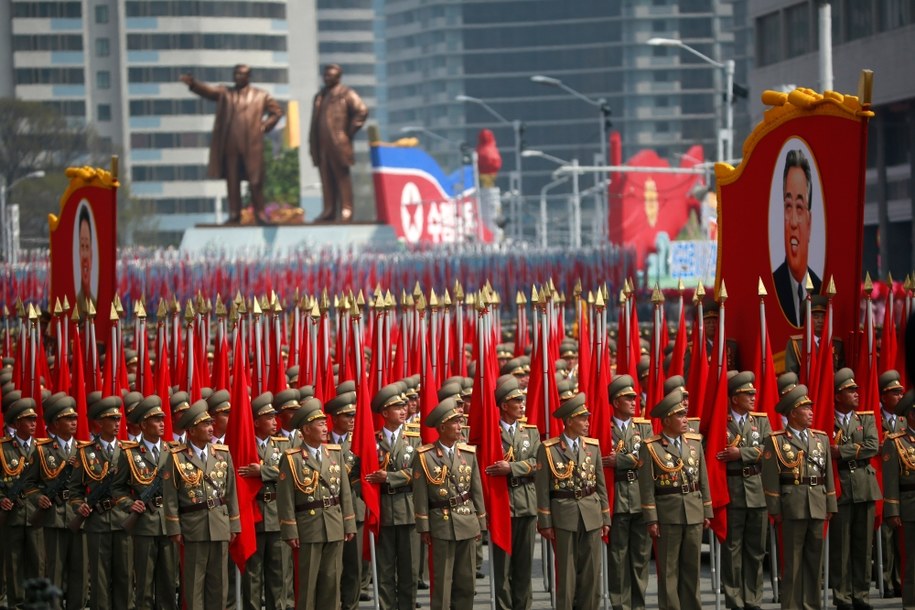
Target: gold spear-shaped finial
831	287
680	286
113	316
723	292
189	312
590	299
622	296
66	304
535	298
446	300
761	289
433	299
75	316
360	299
906	285
220	306
256	309
868	285
808	284
458	292
314	312
162	311
576	291
90	308
141	310
700	290
889	279
599	301
389	301
411	304
118	307
417	290
20	309
238	298
57	308
277	306
656	297
496	298
469	299
241	308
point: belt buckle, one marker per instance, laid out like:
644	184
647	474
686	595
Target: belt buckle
157	502
579	494
211	503
514	482
852	464
748	471
630	476
326	502
686	488
105	504
814	481
268	496
453	501
64	494
391	490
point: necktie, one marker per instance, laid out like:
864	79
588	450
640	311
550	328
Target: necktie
203	455
155	453
804	436
677	444
393	439
450	453
892	424
110	450
623	427
740	421
575	446
511	431
318	455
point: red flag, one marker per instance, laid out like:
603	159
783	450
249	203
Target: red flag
537	406
678	357
901	353
62	364
716	441
485	433
584	348
767	393
163	382
78	388
243	447
698	371
428	399
363	445
602	412
824	378
888	347
220	377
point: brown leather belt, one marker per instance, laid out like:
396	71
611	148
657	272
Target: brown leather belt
906	487
790	479
155	502
851	465
393	491
104	505
519	481
576	494
630	474
322	503
686	488
209	504
268	496
451	502
746	471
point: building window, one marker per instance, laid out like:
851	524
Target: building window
768	39
658	26
103	79
859	20
101	13
104	112
102	47
797	29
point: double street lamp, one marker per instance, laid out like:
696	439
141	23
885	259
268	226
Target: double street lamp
728	67
575	230
518	128
7	229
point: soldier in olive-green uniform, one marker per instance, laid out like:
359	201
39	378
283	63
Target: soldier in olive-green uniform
65	551
800	495
342	411
155	557
201	509
891	392
110	553
572	506
630	547
23	544
794	351
851	531
265	572
286	403
450	514
315	509
899	487
396	548
676	502
520	443
744	548
678	382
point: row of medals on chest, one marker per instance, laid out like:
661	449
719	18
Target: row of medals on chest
195	494
463	480
583	476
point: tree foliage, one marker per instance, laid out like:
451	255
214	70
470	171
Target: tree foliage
281	177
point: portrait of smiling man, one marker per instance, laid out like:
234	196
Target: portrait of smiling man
790	276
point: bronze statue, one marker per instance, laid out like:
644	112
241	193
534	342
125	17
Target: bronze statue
338	113
237	148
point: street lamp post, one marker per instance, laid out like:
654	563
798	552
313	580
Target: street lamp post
576	194
7	237
728	67
517	128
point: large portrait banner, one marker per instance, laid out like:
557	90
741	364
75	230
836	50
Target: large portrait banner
792	210
84	242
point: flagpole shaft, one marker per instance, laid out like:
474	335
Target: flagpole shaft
879	539
773	562
826	568
375	601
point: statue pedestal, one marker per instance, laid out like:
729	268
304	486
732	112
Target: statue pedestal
284	240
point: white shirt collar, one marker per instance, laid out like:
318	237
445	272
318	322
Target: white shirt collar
149	446
24	442
673	441
568	441
621	422
507	426
389	435
887	415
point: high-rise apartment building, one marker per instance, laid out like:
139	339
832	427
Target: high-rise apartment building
116	64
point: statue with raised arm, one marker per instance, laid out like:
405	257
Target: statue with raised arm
243	115
338	113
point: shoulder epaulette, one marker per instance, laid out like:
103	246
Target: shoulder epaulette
129	444
411	433
81	444
177	448
220	447
797	337
332	447
42	441
466	447
591	441
653	439
693	435
777	432
896	434
818	432
758	414
551	441
425	448
692	419
529	426
292	451
871	413
279	439
640	420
